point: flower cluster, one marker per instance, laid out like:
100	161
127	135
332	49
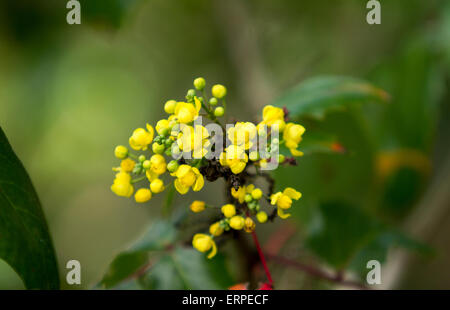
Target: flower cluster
182	151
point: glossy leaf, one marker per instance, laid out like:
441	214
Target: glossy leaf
317	96
157	237
186	268
25	242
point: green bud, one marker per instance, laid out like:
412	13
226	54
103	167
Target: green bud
248	198
219	112
158	148
199	83
213	101
146	164
168	142
168	152
172	166
165	132
281	158
190	93
141	158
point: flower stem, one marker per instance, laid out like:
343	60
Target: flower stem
262	258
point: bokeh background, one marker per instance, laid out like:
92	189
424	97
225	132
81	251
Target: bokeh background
70	93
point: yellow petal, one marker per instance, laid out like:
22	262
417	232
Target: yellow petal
183	170
198	185
198	104
180	187
151	131
274	198
213	251
238	167
292	193
281	213
295	152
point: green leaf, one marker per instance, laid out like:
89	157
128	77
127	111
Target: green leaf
123	266
186	268
160	235
25	242
316	142
317	96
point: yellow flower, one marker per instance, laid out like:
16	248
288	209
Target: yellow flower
158	164
127	165
261	216
237	222
157	186
187	177
219	91
238	194
242	134
283	200
228	210
204	243
141	138
121	152
197	206
273	116
215	229
195	140
143	195
186	112
122	185
235	158
292	135
249	225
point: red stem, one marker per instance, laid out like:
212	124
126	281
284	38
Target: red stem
263	259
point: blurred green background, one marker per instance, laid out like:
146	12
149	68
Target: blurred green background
70	93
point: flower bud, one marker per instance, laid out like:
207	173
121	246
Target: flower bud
254	156
215	229
281	158
197	206
157	186
248	198
172	166
237	222
141	158
257	193
146	164
249	225
261	216
219	91
219	112
121	152
228	210
190	93
213	101
142	195
158	148
169	107
199	83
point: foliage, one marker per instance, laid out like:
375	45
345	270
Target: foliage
25	242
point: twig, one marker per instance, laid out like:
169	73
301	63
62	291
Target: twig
262	258
316	272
